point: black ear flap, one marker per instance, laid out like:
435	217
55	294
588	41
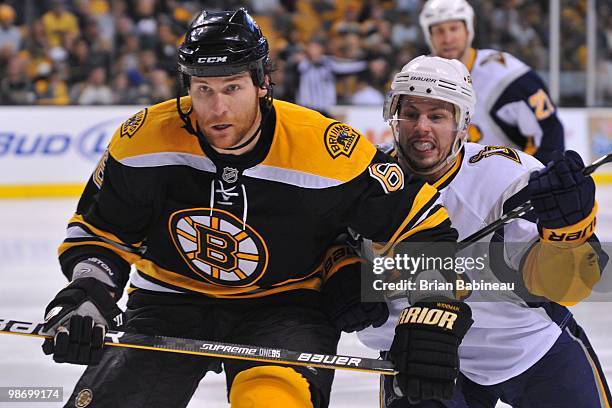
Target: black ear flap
270	95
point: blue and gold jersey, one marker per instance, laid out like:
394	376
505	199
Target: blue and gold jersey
512	106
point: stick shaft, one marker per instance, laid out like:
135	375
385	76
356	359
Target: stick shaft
218	350
524	208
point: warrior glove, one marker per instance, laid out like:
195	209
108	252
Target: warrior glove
425	348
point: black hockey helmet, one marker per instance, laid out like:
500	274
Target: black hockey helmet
222	44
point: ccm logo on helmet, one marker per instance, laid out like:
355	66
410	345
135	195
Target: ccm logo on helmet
212	60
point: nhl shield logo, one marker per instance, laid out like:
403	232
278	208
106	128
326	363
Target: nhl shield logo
131	126
340	139
230	174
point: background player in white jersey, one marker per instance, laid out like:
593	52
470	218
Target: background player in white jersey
513	107
526	350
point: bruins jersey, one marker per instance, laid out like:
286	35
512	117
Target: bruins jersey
192	220
513	107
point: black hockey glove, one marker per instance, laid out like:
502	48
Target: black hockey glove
560	193
425	348
342	302
77	318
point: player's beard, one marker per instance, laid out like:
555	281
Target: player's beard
244	124
458	55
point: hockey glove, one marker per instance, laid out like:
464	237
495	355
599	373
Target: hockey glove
77	318
561	195
342	302
425	348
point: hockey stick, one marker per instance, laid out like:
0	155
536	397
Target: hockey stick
523	208
219	350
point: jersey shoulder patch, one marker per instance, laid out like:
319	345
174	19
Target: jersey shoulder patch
499	160
157	129
309	142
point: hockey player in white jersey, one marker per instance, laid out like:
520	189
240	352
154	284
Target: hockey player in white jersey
525	353
513	107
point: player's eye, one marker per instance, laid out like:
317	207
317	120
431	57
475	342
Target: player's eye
203	89
233	88
410	115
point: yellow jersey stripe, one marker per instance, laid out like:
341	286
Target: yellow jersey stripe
423	197
442	181
180	282
129	257
430	222
78	219
471	59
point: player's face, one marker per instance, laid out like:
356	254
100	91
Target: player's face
226	108
427	131
449	39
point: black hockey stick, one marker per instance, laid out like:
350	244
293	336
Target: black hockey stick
523	208
219	350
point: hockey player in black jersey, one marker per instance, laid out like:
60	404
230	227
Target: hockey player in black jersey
226	203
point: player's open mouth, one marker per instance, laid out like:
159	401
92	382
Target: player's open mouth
422	146
220	127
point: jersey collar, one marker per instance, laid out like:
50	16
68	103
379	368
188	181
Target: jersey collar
450	174
471	59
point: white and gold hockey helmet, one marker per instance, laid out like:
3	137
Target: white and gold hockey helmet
435	78
440	11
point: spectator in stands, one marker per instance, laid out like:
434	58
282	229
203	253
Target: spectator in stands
60	24
51	90
79	63
10	36
165	49
316	73
160	86
74	36
123	93
94	91
15	85
365	93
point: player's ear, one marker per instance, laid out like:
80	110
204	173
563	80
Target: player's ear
262	91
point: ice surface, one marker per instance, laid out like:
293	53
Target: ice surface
31	230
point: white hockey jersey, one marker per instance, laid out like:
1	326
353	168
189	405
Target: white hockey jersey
508	336
512	106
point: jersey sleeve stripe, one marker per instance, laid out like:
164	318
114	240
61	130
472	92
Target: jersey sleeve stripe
78	220
170	280
129	257
424	199
431	222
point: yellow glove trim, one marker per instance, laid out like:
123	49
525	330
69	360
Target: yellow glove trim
575	234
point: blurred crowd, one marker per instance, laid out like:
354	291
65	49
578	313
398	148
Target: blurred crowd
326	52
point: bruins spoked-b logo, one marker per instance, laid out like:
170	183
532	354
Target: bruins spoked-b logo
340	139
215	246
131	126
